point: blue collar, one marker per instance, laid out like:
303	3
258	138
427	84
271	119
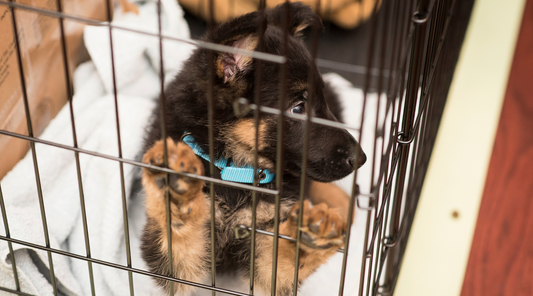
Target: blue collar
229	172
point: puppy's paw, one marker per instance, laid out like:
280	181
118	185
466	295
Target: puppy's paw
322	227
181	159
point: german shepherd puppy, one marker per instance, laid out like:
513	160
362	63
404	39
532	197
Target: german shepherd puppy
333	154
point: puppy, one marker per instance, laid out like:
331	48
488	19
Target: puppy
333	154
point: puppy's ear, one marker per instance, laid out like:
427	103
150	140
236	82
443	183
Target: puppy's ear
230	64
300	17
240	33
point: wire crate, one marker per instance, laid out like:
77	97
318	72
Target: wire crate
409	50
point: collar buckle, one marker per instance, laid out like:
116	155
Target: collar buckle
260	176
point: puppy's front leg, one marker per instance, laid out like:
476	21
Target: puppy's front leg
188	211
323	230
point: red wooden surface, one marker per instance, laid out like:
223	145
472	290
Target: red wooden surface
501	258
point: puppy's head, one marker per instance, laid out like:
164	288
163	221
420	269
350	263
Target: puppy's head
333	153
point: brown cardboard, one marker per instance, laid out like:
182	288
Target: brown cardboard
40	47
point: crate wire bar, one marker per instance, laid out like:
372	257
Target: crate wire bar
404	49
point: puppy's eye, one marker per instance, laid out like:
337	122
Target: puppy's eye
298	109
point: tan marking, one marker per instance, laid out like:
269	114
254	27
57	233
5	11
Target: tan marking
240	142
242	60
297	31
310	260
220	67
264	212
189	210
332	195
249	43
298	87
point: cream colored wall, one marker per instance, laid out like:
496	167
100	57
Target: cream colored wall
439	245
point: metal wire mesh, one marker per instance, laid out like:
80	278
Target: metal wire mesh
404	59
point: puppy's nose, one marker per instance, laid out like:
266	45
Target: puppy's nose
361	159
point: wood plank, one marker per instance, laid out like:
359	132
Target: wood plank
501	258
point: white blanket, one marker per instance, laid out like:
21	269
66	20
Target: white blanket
136	65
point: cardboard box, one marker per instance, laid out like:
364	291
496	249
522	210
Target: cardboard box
40	47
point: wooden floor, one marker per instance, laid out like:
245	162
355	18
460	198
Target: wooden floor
501	258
